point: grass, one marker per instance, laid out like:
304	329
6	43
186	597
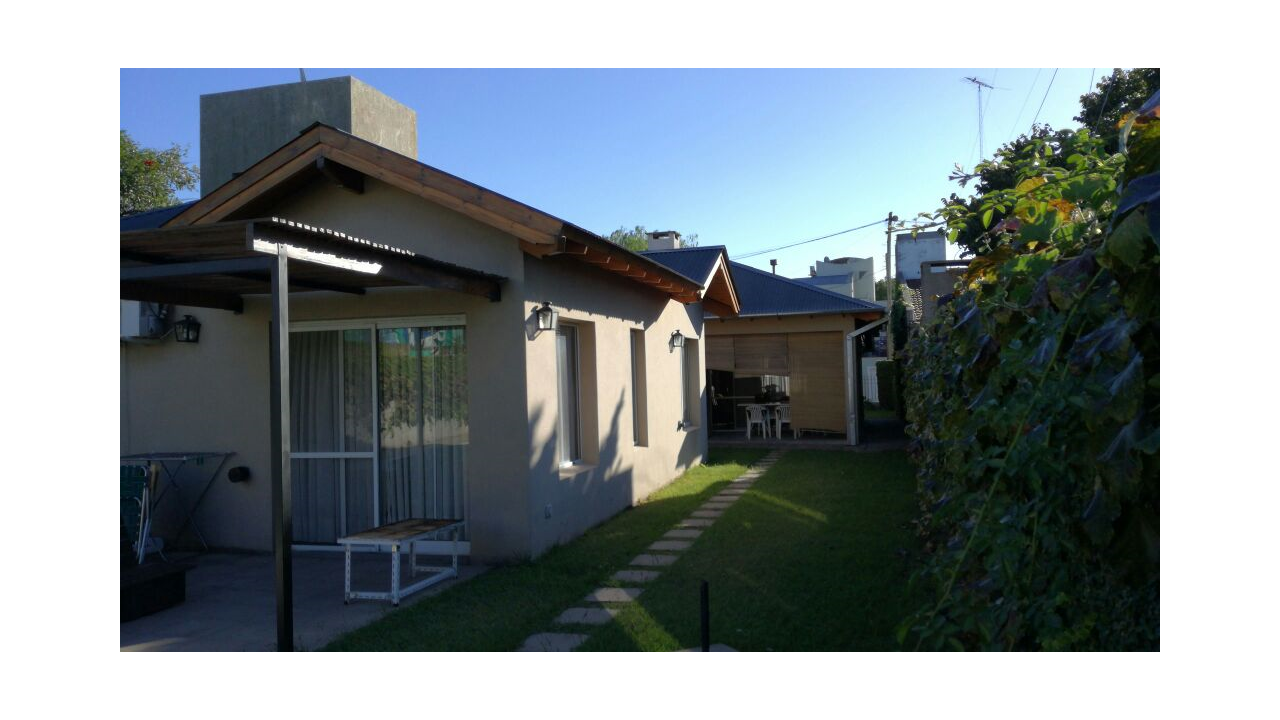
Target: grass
500	608
875	412
814	557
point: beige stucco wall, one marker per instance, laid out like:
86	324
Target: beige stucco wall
615	473
214	395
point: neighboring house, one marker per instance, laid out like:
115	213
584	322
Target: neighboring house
415	377
910	252
938	280
787	334
848	276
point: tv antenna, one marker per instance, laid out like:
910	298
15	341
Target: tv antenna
980	84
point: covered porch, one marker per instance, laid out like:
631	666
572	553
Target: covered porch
216	266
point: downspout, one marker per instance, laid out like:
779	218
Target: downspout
851	404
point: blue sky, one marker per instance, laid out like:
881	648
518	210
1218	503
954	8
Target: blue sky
749	159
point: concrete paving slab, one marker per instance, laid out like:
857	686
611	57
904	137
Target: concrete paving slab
230	603
552	642
671	545
636	576
613	595
712	505
733	491
715	647
653	560
682	534
707	513
724	499
586	616
696	522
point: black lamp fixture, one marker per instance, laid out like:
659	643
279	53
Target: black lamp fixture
677	339
187	330
548	317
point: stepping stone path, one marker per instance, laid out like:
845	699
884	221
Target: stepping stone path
602	604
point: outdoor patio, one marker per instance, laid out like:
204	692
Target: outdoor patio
230	602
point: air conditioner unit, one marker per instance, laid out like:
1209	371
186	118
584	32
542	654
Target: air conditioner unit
142	321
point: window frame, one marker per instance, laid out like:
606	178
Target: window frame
575	350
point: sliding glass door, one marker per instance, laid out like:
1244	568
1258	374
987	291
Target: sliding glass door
379	419
422	390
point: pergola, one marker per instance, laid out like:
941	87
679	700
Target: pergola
215	265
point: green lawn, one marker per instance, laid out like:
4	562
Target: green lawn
499	609
814	557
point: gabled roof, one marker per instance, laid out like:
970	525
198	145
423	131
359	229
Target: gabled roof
761	293
710	266
324	151
765	294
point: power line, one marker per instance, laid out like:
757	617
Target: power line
1046	97
1102	109
1024	103
1092	72
805	242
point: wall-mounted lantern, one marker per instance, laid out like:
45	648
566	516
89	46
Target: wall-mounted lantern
548	317
187	330
677	339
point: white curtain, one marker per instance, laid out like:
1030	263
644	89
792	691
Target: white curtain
331	411
423	422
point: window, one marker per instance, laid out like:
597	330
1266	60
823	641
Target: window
691	390
639	391
569	435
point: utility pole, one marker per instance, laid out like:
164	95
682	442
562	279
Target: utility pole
889	283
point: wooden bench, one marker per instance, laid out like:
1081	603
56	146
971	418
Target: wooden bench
394	535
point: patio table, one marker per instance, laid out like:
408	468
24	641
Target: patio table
394	535
173	463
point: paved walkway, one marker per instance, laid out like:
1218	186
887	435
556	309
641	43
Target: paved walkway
574	625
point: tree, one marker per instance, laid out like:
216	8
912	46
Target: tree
637	239
151	178
1116	96
998	174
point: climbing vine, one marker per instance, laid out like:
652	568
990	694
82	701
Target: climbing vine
1033	402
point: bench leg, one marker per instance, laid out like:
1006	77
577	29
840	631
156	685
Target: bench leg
346	576
456	533
395	574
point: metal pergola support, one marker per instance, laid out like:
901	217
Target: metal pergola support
281	481
853	381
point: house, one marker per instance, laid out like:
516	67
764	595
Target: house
419	375
794	336
850	276
938	280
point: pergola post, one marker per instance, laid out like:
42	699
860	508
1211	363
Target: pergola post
281	482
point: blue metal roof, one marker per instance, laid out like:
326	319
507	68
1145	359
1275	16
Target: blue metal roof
152	219
763	293
694	263
759	292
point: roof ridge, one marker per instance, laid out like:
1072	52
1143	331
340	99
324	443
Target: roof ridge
810	288
682	249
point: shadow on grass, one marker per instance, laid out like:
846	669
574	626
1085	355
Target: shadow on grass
815	556
499	609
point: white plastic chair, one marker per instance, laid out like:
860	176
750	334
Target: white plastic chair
782	414
755	416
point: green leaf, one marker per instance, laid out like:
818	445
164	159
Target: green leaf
986	217
1128	242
